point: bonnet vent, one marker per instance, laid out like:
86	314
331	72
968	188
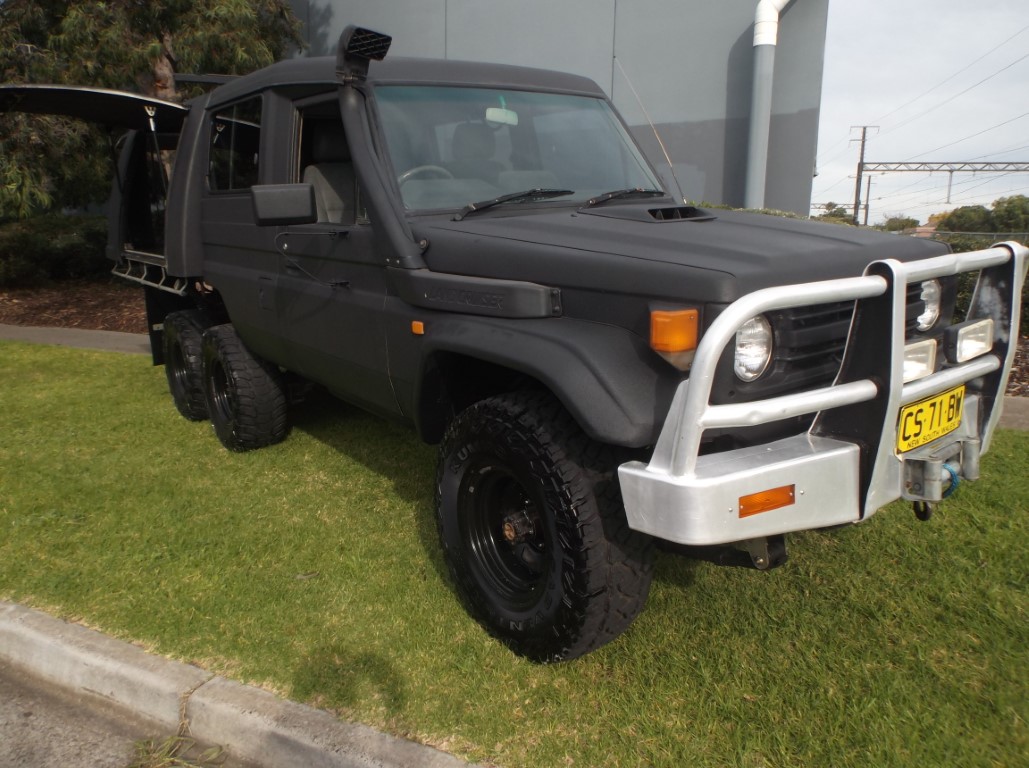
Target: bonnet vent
679	213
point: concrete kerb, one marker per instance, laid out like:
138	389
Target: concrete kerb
252	724
82	338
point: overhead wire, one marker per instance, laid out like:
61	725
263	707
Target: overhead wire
947	79
956	95
936	87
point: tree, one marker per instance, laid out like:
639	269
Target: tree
836	214
123	44
979	227
1011	214
967	218
899	223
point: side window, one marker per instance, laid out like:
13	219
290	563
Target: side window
235	141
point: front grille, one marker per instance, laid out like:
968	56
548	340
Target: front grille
809	341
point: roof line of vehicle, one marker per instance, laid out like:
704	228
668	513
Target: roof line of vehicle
321	71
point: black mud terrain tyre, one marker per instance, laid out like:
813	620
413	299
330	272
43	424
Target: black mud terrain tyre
245	395
533	529
183	362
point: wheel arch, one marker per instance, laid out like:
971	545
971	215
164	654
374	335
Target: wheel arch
605	376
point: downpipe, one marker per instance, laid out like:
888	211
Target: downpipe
766	33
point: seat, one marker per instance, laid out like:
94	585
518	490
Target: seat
473	148
331	172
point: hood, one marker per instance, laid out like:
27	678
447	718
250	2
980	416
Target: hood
717	257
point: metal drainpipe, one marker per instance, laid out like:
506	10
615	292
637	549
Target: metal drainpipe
766	32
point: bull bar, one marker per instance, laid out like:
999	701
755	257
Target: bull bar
847	465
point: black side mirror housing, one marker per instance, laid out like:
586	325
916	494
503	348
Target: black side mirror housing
281	204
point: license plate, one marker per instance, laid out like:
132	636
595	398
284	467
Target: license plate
924	421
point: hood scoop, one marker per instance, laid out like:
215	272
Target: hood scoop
642	213
681	213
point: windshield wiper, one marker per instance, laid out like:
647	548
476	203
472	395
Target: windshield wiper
539	193
622	193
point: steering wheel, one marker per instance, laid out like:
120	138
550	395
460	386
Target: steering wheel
432	171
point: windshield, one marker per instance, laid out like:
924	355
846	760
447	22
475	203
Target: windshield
452	146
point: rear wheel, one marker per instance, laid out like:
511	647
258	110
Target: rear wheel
532	527
183	362
245	395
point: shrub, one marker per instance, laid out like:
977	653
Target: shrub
52	247
966	283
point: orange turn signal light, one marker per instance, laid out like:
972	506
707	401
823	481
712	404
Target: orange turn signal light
417	327
766	501
673	330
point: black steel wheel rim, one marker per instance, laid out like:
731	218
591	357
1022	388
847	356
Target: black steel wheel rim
224	400
178	368
505	535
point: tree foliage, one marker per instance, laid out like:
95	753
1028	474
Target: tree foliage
972	227
1008	217
899	223
836	214
967	218
134	45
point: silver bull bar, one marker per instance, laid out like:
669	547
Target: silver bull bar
846	465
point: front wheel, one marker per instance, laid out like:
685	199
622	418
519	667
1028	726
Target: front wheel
533	531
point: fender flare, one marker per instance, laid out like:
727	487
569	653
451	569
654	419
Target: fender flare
614	386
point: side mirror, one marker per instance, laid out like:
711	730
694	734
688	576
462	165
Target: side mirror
280	204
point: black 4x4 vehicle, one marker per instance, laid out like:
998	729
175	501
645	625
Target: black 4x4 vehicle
483	252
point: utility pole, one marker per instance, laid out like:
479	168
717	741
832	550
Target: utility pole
868	197
860	171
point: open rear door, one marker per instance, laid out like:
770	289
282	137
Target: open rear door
117	109
144	134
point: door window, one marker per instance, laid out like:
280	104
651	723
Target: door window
235	141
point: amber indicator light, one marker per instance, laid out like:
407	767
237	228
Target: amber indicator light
766	501
673	330
417	327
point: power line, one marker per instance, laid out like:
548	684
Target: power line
947	101
972	136
922	95
951	77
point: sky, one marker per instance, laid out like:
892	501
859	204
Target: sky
944	81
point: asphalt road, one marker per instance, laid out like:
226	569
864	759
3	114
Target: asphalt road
43	726
39	727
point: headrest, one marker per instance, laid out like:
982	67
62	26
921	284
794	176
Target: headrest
328	143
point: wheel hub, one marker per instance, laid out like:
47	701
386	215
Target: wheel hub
517	527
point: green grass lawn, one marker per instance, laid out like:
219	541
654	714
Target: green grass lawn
312	568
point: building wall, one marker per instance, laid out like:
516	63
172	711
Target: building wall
685	64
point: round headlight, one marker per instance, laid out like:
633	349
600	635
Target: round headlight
753	348
931	298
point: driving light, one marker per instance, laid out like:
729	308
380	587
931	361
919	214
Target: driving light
968	340
919	360
931	298
753	348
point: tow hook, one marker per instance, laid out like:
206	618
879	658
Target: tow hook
947	475
767	552
924	510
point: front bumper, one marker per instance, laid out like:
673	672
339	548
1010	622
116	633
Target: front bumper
846	466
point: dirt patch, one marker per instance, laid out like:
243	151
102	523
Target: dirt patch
104	305
113	305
